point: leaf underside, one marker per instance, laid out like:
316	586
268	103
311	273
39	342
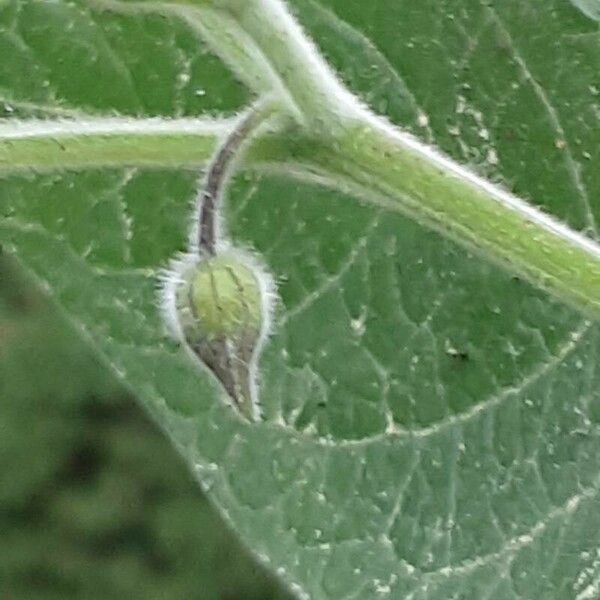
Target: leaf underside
431	423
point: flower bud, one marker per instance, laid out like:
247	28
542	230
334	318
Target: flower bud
221	312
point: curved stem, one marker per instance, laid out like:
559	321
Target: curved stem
362	147
219	170
351	146
302	72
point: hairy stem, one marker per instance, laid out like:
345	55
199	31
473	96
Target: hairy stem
104	142
339	141
47	145
219	170
363	148
442	195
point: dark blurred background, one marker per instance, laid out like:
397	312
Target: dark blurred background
94	503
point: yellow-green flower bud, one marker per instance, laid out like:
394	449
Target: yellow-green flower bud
222	313
222	297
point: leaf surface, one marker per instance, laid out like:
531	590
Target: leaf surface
431	423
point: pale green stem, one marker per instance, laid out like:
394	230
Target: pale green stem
363	148
312	85
351	149
43	145
474	213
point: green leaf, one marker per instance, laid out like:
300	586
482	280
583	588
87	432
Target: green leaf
431	424
84	512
